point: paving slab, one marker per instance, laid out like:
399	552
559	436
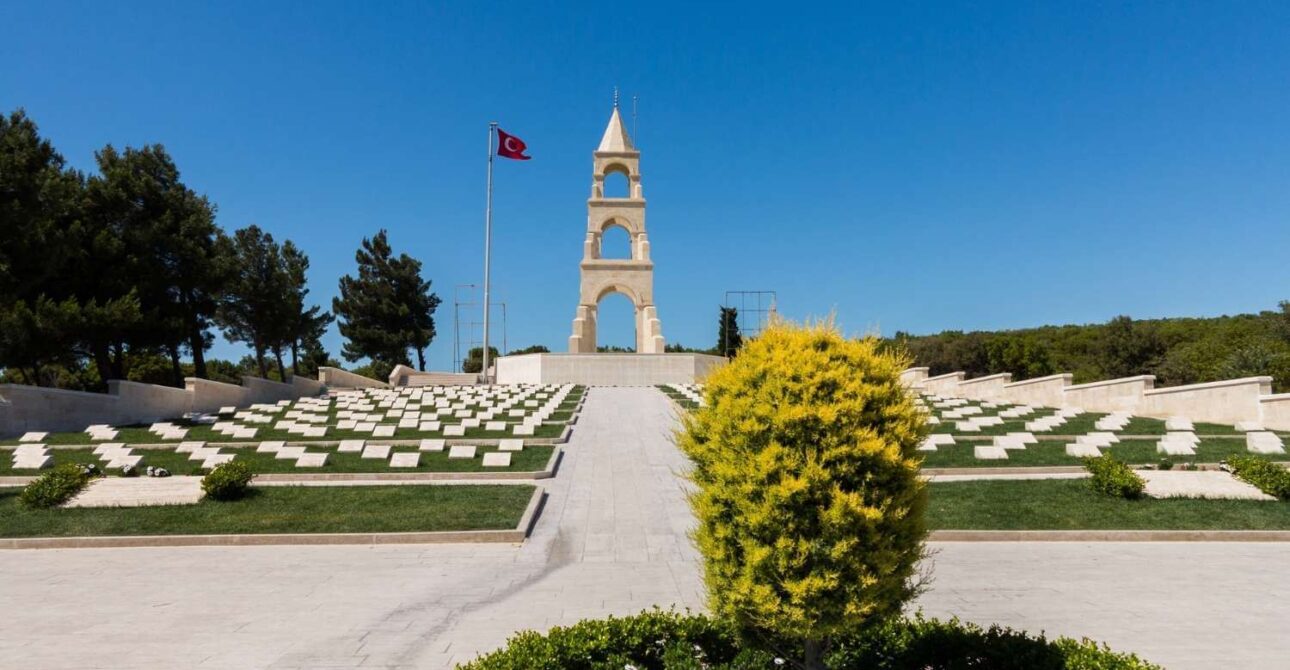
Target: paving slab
139	492
1213	484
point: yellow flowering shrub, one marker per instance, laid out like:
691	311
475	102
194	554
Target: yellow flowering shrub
807	493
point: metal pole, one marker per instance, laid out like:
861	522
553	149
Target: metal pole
488	244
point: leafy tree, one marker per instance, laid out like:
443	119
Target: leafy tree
728	337
474	362
304	326
258	298
158	239
615	349
535	349
40	235
1129	348
387	309
809	501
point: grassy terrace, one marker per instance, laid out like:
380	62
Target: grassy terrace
531	459
681	400
1085	423
1210	450
1069	504
288	509
140	434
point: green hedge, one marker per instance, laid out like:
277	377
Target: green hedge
1262	473
228	481
665	640
55	487
1114	478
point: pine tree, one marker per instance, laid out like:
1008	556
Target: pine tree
728	337
259	296
387	309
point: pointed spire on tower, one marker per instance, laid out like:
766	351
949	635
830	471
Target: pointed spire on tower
615	137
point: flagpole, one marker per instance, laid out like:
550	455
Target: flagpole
488	245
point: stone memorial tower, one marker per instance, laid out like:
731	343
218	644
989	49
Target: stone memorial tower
632	277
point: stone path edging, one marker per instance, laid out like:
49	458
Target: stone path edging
511	536
1109	536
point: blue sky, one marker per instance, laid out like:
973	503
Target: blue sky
910	166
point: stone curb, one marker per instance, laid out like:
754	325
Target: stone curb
547	472
513	536
1109	536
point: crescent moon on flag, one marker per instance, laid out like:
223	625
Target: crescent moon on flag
510	146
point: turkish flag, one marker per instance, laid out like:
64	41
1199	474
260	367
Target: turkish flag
510	146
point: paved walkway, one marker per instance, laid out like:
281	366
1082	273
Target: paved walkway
611	540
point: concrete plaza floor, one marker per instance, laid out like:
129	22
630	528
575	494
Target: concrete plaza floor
612	539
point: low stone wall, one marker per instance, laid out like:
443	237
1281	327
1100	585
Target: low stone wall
405	375
1226	401
913	377
28	408
985	388
1274	411
1047	391
338	378
944	385
1111	395
1246	400
606	369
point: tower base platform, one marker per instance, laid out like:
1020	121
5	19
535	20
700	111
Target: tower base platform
605	369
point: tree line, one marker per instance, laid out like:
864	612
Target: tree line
1177	350
124	274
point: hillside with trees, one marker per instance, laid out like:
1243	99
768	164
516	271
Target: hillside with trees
1177	350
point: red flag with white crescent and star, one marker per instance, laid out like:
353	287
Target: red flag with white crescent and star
510	146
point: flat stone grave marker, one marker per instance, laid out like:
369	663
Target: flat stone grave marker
315	431
433	444
990	453
454	430
429	426
461	451
289	453
244	433
1178	423
1083	450
497	459
381	451
270	447
215	460
510	444
364	427
350	446
495	426
522	429
1247	426
383	431
405	459
33	437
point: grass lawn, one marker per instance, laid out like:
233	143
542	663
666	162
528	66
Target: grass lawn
1069	504
531	459
286	509
1138	452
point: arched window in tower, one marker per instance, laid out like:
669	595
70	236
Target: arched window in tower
616	183
615	242
616	323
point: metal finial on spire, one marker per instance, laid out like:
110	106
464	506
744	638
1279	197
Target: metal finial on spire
615	97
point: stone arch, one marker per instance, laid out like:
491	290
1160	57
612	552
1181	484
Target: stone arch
637	312
614	238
